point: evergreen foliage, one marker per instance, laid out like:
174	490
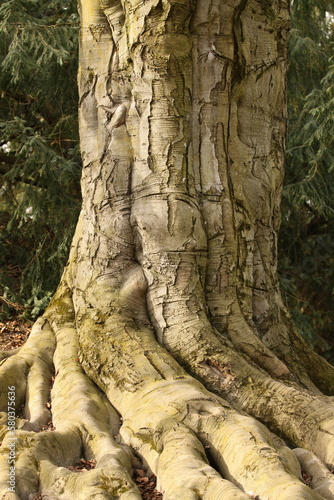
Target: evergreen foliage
307	235
39	155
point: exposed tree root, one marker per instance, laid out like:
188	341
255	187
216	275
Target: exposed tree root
322	480
198	446
85	425
167	413
30	371
244	452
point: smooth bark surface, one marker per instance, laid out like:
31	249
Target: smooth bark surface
167	338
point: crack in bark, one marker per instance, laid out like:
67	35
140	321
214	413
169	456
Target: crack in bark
223	370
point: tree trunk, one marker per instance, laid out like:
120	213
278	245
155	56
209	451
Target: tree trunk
167	334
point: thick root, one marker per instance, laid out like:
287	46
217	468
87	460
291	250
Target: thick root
39	466
29	372
322	480
175	433
7	354
182	456
104	483
85	427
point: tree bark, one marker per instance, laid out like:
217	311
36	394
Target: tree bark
168	336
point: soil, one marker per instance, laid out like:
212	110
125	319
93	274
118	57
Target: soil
13	334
